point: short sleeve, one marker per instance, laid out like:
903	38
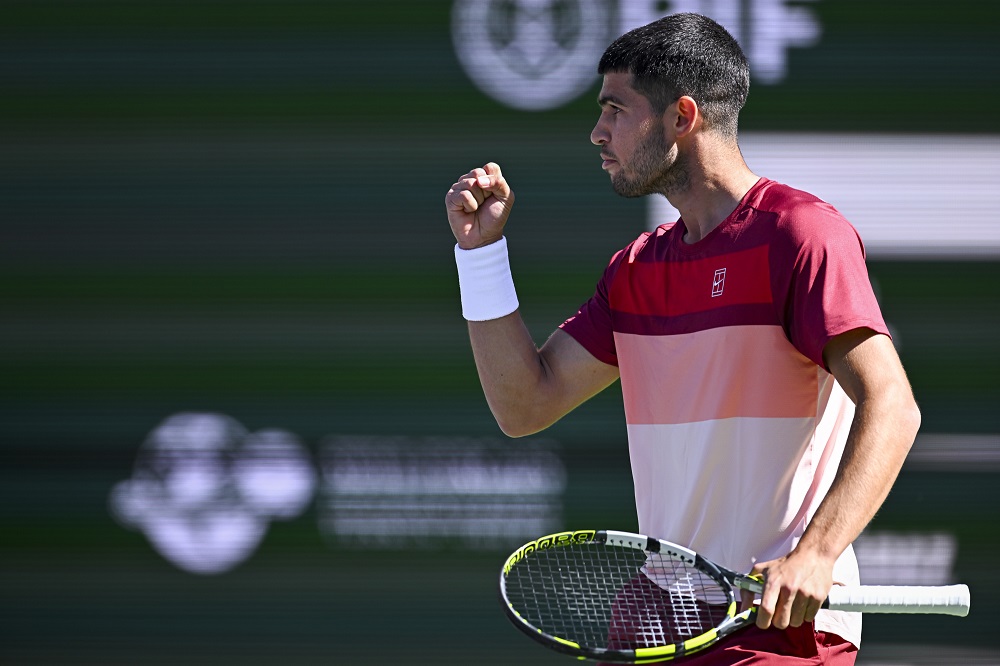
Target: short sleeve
591	326
820	279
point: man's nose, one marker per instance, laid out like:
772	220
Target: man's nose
599	135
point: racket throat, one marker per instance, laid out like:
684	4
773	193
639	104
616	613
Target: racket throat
749	583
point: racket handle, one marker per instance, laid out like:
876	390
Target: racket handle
944	600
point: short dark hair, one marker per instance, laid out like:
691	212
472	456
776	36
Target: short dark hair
685	54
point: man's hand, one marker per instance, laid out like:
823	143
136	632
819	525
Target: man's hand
478	205
795	587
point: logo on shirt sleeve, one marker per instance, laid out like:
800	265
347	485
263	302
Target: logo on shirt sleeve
718	282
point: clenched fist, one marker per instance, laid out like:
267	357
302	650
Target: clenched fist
478	205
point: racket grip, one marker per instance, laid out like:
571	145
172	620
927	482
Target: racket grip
943	600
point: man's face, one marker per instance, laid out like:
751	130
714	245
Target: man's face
634	144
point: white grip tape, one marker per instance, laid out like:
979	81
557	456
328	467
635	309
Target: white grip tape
485	282
944	600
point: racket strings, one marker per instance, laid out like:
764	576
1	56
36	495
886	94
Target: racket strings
609	597
686	613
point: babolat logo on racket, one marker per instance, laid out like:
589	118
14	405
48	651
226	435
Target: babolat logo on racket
550	541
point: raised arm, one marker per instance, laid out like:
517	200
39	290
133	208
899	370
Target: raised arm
885	424
527	388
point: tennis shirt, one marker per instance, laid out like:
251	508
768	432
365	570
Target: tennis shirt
736	427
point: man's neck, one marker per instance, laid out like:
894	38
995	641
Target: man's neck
714	192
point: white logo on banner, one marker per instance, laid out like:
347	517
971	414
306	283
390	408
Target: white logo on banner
204	489
766	29
540	54
531	54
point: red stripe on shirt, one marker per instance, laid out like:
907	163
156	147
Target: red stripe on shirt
699	285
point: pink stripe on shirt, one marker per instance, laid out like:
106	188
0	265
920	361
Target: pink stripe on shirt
715	374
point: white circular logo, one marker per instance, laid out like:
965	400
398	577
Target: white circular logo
531	54
204	490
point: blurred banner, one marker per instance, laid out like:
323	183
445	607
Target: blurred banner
240	421
909	196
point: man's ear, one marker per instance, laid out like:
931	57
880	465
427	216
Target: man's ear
687	118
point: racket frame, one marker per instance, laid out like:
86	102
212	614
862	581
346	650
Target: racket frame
727	580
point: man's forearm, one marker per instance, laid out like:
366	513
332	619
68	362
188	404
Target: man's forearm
527	388
883	430
511	371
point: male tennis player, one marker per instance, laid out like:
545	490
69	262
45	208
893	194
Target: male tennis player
767	411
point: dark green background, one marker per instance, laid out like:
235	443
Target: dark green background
237	207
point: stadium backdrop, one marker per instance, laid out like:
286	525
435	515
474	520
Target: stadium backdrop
234	208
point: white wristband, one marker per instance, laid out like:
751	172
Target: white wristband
485	282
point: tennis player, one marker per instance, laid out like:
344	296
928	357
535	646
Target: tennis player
767	412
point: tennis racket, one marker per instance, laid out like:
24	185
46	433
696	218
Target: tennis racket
628	598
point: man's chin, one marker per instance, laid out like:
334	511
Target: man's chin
627	190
